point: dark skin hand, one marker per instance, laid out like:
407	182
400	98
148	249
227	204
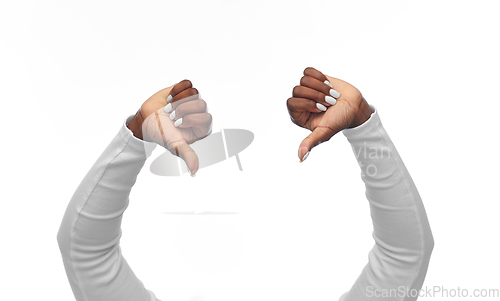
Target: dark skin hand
350	109
191	121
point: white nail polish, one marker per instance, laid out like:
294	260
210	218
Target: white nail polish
305	157
172	115
178	122
330	100
328	83
320	106
169	98
168	108
189	171
334	93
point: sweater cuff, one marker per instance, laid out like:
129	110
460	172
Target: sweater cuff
137	145
365	127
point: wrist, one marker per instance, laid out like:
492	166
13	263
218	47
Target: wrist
135	125
363	114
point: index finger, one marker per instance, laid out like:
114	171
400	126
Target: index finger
310	71
169	92
181	86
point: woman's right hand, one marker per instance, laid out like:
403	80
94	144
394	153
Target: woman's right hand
174	118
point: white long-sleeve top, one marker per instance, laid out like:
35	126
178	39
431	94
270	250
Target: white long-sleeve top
90	231
397	263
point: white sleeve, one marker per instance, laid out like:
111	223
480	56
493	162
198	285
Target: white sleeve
397	263
90	231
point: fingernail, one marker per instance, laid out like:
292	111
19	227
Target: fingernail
320	106
328	83
168	108
190	173
334	93
172	115
169	98
330	100
305	157
178	122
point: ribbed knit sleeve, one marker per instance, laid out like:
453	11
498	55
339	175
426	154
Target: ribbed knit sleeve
397	263
89	235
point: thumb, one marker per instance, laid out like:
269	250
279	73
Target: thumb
318	136
189	156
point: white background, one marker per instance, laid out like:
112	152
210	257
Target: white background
71	72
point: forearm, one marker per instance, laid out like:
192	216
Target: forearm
91	228
403	239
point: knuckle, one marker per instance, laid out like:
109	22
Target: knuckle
296	90
304	80
187	82
194	91
209	118
201	105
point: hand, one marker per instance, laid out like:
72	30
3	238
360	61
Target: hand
324	109
174	118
